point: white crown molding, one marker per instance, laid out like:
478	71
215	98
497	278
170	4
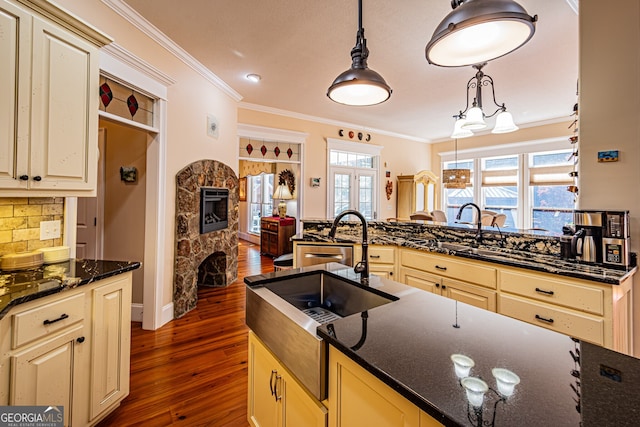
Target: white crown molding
118	52
271	134
300	116
138	21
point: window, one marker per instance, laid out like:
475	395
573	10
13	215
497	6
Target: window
260	199
530	188
353	178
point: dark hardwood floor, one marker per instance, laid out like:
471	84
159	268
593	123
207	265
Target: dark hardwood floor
193	370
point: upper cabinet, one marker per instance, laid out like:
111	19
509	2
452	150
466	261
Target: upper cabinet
49	118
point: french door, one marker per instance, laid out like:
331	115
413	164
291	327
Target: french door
353	189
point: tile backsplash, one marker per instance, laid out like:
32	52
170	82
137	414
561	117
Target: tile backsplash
20	219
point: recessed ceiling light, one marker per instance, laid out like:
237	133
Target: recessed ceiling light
255	78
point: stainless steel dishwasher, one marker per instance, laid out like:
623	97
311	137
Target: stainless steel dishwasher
307	255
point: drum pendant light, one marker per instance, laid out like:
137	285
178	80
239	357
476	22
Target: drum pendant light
359	85
478	31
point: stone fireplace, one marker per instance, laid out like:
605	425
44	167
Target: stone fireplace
210	257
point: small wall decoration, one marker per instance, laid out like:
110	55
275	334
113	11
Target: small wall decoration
242	189
608	156
287	177
352	134
389	189
315	182
128	173
212	127
387	174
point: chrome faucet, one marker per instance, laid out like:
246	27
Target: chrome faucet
479	217
363	266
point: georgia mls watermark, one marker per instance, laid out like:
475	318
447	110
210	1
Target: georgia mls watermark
31	416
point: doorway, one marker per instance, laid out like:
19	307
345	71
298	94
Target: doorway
111	226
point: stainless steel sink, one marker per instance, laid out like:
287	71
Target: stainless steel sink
285	311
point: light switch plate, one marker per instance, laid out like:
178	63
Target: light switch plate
49	229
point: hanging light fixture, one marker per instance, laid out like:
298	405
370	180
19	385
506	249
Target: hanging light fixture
456	178
359	85
473	117
478	31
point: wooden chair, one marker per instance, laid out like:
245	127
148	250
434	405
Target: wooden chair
439	216
421	215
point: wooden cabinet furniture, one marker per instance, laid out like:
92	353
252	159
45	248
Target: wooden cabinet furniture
470	282
275	235
357	398
49	116
416	193
69	349
275	397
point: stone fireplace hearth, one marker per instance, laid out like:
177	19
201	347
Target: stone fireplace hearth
218	250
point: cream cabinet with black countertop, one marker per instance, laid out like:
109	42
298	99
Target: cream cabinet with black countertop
49	109
69	349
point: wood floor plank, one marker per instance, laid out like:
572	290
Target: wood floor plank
193	371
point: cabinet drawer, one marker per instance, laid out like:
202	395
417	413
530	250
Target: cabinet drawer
584	298
37	322
578	325
446	266
381	255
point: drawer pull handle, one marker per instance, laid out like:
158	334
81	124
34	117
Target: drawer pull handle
542	291
374	256
441	268
544	319
24	177
273	374
49	322
37	178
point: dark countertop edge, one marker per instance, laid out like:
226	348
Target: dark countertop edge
543	268
123	267
405	392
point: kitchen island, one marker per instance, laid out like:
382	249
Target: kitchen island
407	346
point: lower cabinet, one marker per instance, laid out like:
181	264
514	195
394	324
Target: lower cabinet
69	349
455	289
275	397
358	399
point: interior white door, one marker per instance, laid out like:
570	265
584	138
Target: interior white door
90	220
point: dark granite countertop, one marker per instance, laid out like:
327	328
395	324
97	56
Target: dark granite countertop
408	345
529	251
23	286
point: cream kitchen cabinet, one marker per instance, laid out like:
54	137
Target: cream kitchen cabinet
465	281
357	398
599	313
382	260
69	349
275	397
49	114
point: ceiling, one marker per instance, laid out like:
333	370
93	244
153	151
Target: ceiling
299	47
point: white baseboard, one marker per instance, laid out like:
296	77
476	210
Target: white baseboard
167	314
249	237
136	312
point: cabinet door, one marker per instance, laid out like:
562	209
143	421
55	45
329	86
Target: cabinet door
358	399
64	133
469	294
301	409
111	342
263	408
15	25
43	374
421	280
385	271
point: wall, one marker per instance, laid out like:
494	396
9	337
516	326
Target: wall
400	157
189	100
609	111
124	202
20	219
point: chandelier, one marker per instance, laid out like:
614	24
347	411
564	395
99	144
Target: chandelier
473	117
